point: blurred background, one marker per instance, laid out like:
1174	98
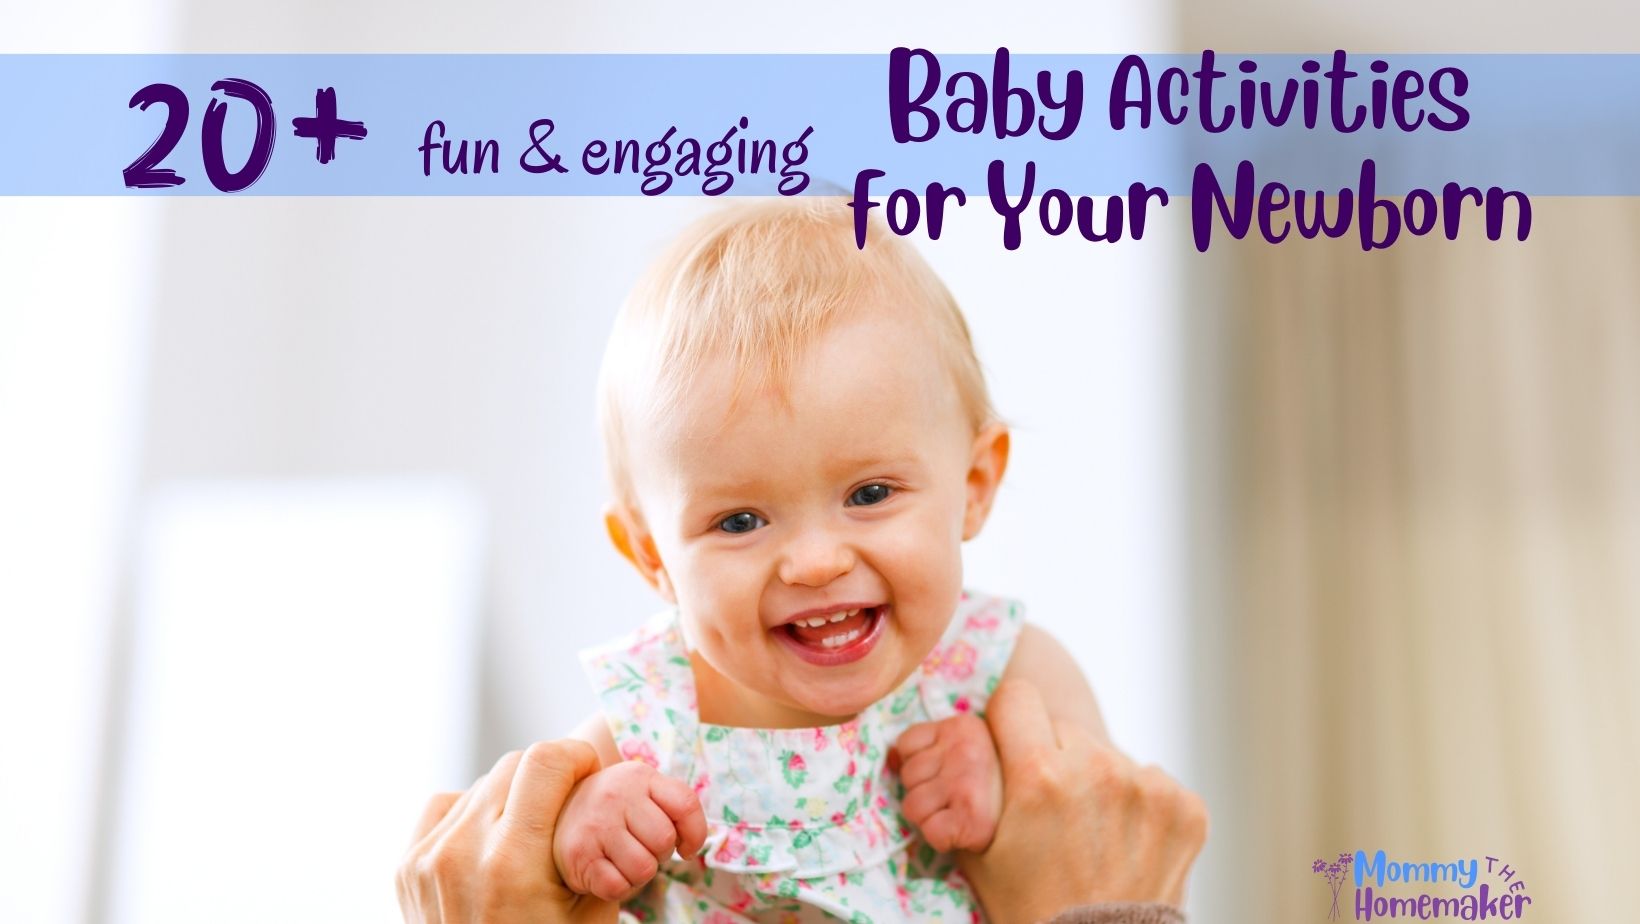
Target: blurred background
1350	544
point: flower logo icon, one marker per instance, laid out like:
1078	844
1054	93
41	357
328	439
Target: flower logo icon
1334	873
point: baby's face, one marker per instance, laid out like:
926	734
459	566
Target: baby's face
813	546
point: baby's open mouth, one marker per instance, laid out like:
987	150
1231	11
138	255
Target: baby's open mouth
833	631
835	637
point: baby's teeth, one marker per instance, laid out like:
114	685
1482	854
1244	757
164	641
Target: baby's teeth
839	617
815	622
837	641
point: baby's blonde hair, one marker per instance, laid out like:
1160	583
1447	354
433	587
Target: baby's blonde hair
758	283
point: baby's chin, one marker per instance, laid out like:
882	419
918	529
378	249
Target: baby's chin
834	710
839	700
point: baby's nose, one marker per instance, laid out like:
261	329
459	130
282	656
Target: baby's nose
815	559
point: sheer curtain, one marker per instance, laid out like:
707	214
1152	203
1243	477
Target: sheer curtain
1430	561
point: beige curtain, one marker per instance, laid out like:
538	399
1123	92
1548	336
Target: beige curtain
1428	628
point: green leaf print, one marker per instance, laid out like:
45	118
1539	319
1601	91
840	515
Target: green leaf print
730	816
802	839
859	917
775	821
679	660
760	853
716	733
843	784
902	701
793	768
853	807
788	888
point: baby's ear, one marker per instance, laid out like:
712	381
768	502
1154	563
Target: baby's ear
632	539
985	468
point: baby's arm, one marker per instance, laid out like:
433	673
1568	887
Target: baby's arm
620	822
1039	659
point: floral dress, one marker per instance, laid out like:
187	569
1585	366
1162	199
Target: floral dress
803	824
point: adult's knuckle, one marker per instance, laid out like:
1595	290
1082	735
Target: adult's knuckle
1154	786
441	866
1193	816
499	872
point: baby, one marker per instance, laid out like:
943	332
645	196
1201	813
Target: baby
800	439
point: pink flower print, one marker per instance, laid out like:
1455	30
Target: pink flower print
701	782
732	847
820	739
851	768
961	704
848	737
955	661
632	749
983	623
904	897
793	768
838	818
959	661
796	824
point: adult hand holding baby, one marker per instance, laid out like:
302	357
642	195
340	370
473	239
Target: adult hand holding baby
1081	823
487	854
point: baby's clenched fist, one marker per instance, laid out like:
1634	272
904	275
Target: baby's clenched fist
619	824
953	782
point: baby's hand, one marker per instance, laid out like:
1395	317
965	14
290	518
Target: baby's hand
953	782
617	826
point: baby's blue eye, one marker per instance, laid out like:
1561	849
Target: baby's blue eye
870	494
741	522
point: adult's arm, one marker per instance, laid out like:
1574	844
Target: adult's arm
1084	830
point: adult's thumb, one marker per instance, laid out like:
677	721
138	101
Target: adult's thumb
1020	723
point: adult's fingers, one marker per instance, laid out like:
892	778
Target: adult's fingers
491	792
680	804
546	772
1020	724
463	805
437	808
